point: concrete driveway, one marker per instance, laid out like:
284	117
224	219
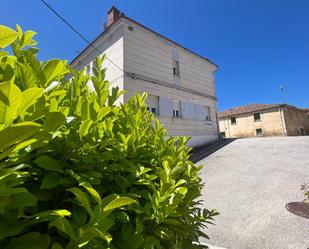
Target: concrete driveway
250	181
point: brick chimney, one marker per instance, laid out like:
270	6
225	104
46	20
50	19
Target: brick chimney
113	16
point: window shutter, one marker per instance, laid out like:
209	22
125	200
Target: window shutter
200	112
152	101
165	107
188	110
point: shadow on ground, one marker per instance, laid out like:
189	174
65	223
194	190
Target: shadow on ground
202	152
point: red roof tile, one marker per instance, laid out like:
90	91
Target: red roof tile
246	109
254	108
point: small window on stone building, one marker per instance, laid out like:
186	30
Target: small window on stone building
176	109
208	117
176	68
222	135
233	121
259	132
257	117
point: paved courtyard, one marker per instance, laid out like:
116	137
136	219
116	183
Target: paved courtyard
250	181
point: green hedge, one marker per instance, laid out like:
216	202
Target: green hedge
77	171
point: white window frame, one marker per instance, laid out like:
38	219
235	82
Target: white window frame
153	104
176	109
207	113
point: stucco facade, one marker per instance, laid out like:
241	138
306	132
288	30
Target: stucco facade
180	83
279	120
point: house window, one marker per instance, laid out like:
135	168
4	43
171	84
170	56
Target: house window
208	117
153	104
259	132
257	117
176	68
152	109
176	109
233	121
222	135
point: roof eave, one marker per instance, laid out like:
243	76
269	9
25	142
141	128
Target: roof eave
130	19
248	112
97	38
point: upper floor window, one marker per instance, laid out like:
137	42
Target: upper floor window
233	121
176	68
208	117
257	117
176	109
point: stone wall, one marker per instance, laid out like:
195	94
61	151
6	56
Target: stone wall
297	122
271	123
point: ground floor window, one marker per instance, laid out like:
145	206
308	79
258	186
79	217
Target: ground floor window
259	132
176	109
152	109
222	134
153	104
208	118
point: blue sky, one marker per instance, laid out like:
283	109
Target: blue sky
258	44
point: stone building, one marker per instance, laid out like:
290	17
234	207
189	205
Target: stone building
180	83
264	120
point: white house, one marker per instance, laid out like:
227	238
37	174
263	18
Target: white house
179	82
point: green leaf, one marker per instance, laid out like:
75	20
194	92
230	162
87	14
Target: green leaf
48	215
24	199
10	98
92	192
52	70
10	226
172	222
91	233
32	240
85	110
53	121
17	133
119	202
29	97
26	75
126	231
48	163
26	39
63	225
104	223
53	105
7	36
182	190
50	181
84	128
82	198
56	246
139	225
24	144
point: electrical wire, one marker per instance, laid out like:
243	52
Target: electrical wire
133	76
78	33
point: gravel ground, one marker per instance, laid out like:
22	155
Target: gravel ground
249	182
